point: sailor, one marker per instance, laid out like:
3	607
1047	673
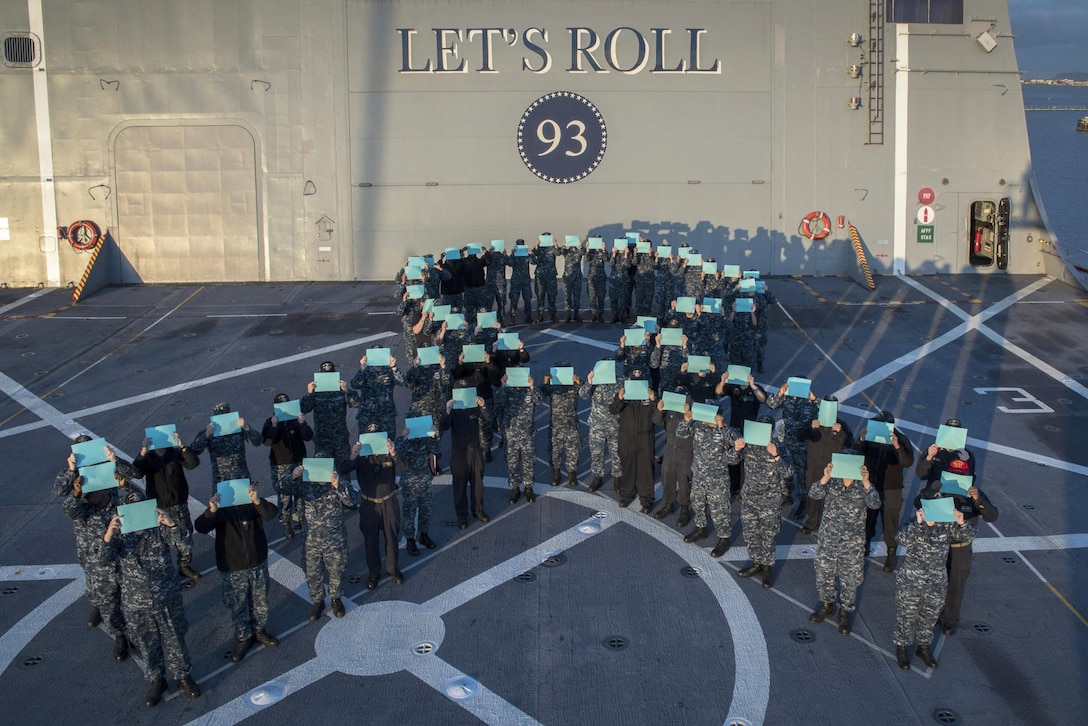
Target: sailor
413	321
840	550
619	284
572	281
163	470
922	581
91	514
484	376
744	403
665	269
668	359
886	464
452	288
287	448
375	386
429	386
741	335
716	446
676	463
322	504
330	409
635	354
474	269
226	452
379	509
596	283
636	445
644	280
821	442
767	471
241	556
466	461
798	412
546	280
762	300
564	442
495	285
603	430
419	456
151	600
937	460
520	283
515	411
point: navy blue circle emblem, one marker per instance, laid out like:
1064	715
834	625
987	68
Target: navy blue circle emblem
562	137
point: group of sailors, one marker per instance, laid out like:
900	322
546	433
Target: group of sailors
676	371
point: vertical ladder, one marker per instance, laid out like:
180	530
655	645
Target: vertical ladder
875	75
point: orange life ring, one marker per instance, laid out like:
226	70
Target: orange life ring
83	235
816	231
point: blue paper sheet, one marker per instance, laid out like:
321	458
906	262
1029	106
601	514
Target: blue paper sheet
642	248
710	268
487	320
546	240
698	364
712	305
233	492
453	253
685	305
508	341
317	469
751	274
756	433
743	304
829	413
595	243
473	353
326	381
428	356
956	483
374	444
287	410
738	375
563	376
416	292
441	312
635	336
139	515
419	427
647	323
604	372
942	509
521	251
498	245
879	432
377	357
664	251
847	466
517	377
90	452
162	437
456	321
731	271
573	240
704	412
672	336
674	401
225	423
97	477
798	387
951	437
636	390
464	398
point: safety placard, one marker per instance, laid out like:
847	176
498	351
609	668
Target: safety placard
925	233
926	215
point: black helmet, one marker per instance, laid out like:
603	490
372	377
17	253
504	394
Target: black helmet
220	408
328	367
281	398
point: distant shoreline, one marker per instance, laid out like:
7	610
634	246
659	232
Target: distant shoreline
1053	82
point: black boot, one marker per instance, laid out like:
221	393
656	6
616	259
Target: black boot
844	621
720	548
426	541
267	639
316	609
338	608
596	484
890	562
154	693
825	609
557	477
120	648
240	649
617	483
902	657
187	571
665	511
572	479
487	455
752	569
530	495
568	316
515	495
768	578
697	534
95	618
925	656
410	547
683	518
188	686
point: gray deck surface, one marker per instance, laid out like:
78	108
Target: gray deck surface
1006	354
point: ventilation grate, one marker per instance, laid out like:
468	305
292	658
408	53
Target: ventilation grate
20	50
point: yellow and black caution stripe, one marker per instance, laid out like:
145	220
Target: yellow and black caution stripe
87	273
860	252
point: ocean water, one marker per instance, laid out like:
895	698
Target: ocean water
1059	156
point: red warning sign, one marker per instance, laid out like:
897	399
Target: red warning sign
926	195
926	215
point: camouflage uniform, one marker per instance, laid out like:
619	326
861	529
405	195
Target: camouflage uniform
477	296
763	301
741	335
90	519
330	409
163	472
515	410
227	453
151	600
716	339
375	386
765	481
432	281
644	283
410	311
596	282
695	327
603	427
496	283
572	279
430	387
241	556
619	285
564	443
415	481
664	271
288	449
322	507
520	285
714	452
452	341
668	359
692	281
636	358
797	414
922	579
546	280
840	549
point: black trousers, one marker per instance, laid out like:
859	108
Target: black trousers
376	520
637	455
959	569
467	467
891	501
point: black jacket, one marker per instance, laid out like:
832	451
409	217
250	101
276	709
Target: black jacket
240	542
163	471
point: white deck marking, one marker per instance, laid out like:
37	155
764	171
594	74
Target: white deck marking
580	339
32	296
19	635
57	417
49	416
252	315
486	705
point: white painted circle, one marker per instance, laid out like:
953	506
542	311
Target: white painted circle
926	214
379	638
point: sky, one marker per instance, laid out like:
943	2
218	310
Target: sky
1052	36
